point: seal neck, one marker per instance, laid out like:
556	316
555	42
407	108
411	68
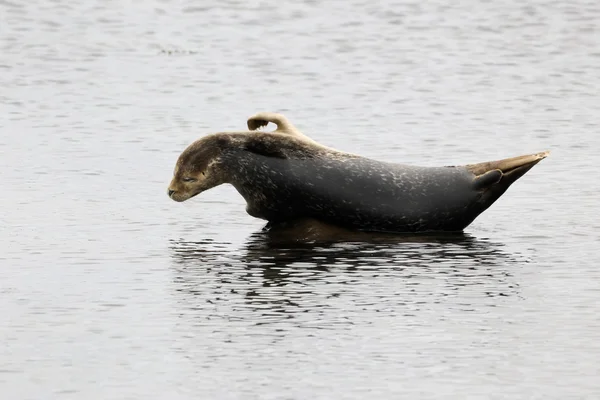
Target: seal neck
240	170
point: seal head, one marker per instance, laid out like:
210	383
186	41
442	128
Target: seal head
223	158
199	168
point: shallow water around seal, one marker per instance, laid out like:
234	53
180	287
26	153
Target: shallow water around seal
109	289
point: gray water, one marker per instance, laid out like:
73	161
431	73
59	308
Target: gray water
110	290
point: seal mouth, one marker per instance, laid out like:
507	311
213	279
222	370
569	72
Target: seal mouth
178	199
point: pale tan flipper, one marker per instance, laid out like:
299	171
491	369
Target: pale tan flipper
508	170
284	126
263	118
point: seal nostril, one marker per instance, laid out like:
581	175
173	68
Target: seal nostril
171	192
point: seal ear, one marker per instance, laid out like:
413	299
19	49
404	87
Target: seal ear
264	147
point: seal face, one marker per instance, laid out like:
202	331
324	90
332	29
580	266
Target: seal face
284	176
198	168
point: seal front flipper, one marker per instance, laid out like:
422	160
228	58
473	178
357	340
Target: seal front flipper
283	124
285	127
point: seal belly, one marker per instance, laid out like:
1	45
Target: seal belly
370	195
359	193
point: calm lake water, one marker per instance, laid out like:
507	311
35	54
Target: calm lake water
110	290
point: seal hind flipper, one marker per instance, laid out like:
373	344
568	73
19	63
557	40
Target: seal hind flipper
493	178
510	169
507	164
488	179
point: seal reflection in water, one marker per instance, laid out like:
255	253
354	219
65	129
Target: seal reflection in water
285	176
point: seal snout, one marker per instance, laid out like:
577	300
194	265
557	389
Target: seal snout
175	195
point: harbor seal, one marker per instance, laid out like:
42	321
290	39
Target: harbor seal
285	176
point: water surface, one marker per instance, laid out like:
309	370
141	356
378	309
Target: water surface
111	290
